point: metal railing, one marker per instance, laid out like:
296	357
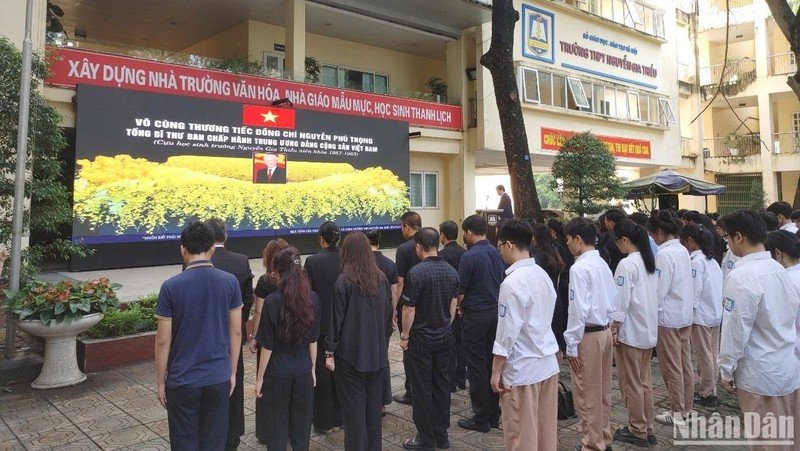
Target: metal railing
786	143
782	64
732	146
648	19
687	147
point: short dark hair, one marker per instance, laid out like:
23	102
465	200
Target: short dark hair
583	228
616	215
501	188
218	228
475	224
518	231
556	226
374	237
785	241
428	238
449	229
639	218
329	231
780	208
770	220
795	215
197	238
746	222
411	219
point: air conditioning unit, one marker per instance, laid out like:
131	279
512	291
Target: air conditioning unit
682	17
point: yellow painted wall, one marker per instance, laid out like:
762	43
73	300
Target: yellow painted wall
12	22
789	185
231	43
427	162
784	107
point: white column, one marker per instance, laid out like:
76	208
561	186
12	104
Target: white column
296	38
12	22
766	129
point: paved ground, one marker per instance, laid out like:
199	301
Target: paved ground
117	409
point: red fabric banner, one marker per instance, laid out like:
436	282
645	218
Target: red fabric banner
553	138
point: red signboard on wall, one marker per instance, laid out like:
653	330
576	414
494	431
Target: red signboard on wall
553	138
69	67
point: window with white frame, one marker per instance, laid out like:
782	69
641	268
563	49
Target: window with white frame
530	85
633	12
578	93
633	106
666	111
354	79
424	189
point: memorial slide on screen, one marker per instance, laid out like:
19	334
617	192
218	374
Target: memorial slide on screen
148	163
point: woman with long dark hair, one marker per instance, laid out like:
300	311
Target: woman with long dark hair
675	316
323	270
707	289
559	242
543	250
356	343
634	329
288	334
264	287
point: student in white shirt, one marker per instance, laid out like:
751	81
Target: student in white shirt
634	330
785	249
707	289
757	358
588	339
524	366
675	316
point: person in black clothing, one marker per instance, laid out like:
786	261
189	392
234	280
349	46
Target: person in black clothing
505	203
405	259
543	250
480	274
288	334
562	300
356	343
428	310
238	265
451	252
264	287
323	270
613	217
388	268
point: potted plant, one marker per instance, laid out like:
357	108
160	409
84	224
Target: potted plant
58	312
731	142
438	88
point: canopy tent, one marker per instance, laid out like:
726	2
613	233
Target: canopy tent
670	182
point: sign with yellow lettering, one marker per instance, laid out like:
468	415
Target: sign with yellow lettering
553	139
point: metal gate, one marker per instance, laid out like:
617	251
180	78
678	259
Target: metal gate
743	191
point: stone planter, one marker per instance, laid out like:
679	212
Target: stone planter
100	353
60	367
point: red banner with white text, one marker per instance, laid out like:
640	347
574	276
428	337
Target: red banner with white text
69	67
553	139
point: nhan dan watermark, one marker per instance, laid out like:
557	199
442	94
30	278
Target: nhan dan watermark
750	429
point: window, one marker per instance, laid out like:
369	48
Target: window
666	110
601	105
545	88
559	91
424	190
633	106
354	79
273	64
633	12
578	94
530	85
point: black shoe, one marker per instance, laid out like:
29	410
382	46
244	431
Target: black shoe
469	423
414	443
323	431
625	435
443	445
495	424
462	385
402	399
652	440
708	401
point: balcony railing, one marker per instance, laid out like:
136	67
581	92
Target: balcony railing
786	143
736	76
737	146
782	64
714	13
687	147
631	13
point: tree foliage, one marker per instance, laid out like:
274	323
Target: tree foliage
588	174
549	196
49	207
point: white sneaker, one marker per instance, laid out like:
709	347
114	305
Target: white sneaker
670	420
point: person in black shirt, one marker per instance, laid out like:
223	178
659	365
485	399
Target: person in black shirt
288	334
356	343
405	259
480	274
560	314
612	218
388	268
451	252
264	287
323	270
505	203
547	257
428	310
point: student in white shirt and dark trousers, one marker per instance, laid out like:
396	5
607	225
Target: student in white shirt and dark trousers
785	249
634	330
707	288
675	316
588	338
758	359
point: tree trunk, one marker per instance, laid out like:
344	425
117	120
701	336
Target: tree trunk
500	62
789	23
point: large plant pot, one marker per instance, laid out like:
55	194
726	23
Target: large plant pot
60	367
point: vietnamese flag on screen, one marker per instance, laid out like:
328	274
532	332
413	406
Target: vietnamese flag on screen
267	116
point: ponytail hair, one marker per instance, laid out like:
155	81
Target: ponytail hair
329	232
639	237
785	241
702	236
665	221
297	312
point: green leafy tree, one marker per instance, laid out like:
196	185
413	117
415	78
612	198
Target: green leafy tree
49	208
549	197
588	174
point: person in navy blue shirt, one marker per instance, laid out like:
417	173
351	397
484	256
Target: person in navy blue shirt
198	341
479	276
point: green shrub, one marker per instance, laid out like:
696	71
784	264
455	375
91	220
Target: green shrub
136	317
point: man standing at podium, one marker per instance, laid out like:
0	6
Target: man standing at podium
505	203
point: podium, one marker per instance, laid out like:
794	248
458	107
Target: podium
493	217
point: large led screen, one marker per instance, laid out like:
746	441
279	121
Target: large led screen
149	163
